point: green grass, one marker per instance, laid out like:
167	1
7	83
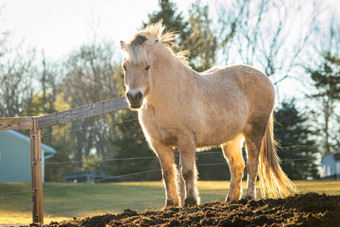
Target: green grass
62	201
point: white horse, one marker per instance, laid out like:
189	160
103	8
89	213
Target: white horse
179	107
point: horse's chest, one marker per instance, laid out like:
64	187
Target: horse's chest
159	127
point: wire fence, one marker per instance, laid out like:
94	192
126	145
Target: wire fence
128	159
147	171
130	174
145	158
107	178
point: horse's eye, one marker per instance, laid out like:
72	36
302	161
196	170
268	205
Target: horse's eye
147	67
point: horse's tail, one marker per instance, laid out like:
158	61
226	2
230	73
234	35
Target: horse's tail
273	181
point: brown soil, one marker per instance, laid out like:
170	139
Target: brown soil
300	210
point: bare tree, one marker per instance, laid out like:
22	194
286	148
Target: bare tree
265	34
89	79
16	76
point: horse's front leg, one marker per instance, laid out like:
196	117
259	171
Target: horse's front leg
189	172
169	172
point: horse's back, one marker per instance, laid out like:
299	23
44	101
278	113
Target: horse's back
255	85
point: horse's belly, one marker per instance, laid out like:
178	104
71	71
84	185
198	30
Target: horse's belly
219	131
216	138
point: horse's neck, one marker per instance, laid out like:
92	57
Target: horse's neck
171	78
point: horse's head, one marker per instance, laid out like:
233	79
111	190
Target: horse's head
137	81
137	67
138	64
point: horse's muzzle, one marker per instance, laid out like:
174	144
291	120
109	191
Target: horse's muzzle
135	98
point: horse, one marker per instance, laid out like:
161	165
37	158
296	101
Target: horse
181	108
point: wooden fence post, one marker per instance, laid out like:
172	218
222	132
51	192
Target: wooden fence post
36	173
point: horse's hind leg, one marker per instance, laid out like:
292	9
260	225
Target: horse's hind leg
169	172
254	138
233	153
181	182
189	171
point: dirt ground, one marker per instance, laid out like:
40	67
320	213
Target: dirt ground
310	209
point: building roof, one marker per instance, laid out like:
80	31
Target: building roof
336	156
24	138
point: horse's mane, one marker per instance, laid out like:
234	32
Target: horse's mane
157	30
150	37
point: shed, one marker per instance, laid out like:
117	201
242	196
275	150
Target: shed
15	157
330	166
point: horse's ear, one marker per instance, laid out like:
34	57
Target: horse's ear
122	45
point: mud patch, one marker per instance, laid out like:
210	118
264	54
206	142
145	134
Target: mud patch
310	209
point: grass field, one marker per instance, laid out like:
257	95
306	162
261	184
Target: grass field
62	201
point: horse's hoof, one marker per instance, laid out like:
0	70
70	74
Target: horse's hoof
190	202
232	198
228	200
248	197
171	203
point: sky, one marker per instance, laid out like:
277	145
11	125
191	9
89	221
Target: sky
59	26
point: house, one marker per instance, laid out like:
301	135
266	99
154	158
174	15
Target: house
330	167
15	157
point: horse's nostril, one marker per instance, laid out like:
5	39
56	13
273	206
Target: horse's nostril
129	96
139	96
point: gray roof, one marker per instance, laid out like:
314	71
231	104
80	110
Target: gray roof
336	156
24	138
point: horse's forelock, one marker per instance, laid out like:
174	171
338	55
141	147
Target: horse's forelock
136	53
139	40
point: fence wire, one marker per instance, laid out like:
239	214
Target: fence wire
141	158
123	175
107	178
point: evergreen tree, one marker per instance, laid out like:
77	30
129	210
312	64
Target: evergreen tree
129	142
200	39
172	19
327	78
297	149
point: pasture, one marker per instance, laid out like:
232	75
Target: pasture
64	201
